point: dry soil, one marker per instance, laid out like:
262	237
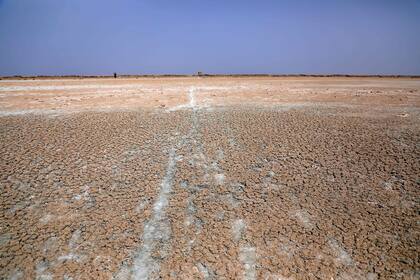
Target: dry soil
210	178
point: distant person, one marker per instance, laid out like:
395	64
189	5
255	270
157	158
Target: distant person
115	75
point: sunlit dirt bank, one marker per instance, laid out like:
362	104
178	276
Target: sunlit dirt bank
210	178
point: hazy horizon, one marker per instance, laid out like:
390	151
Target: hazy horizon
47	37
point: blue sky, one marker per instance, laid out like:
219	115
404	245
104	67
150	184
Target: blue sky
50	37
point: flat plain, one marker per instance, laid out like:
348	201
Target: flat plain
210	178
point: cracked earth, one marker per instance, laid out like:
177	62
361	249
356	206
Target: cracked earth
210	178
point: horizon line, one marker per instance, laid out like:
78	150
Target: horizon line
201	74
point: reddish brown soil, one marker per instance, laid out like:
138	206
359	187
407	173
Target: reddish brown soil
210	178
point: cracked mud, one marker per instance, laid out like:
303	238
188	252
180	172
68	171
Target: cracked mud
219	178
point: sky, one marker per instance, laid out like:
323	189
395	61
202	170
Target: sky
96	37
